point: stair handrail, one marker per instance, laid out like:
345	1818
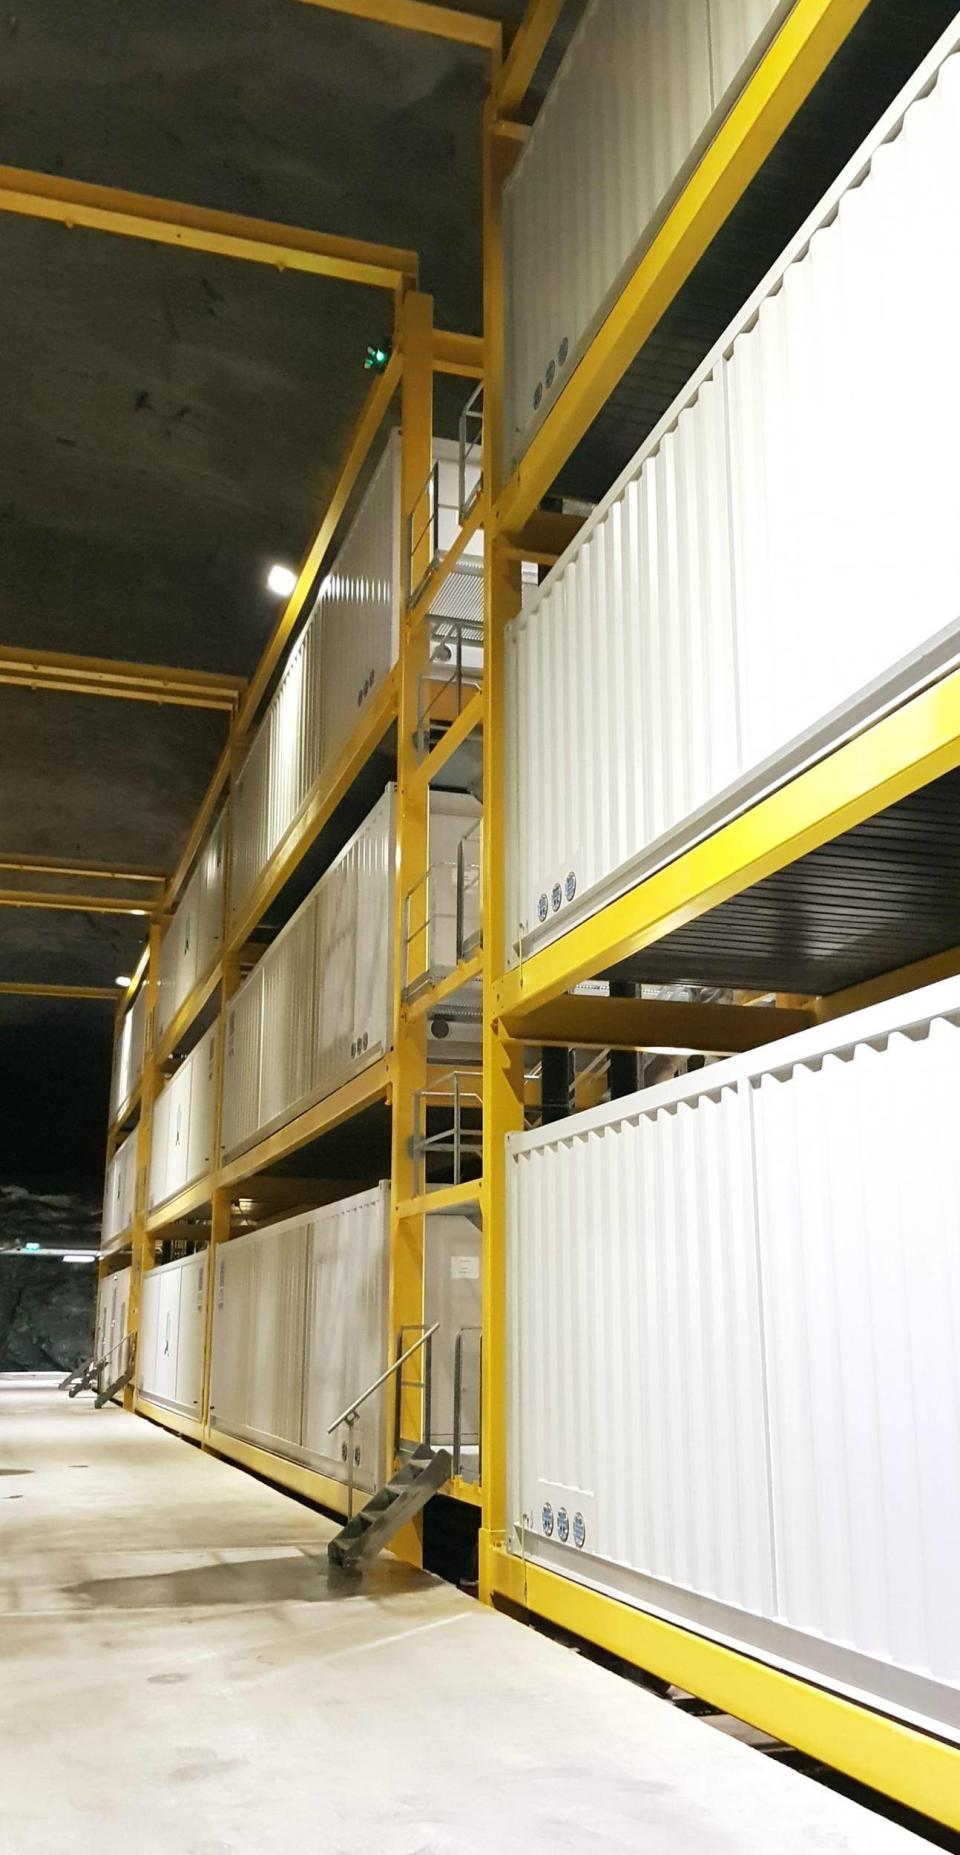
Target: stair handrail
352	1411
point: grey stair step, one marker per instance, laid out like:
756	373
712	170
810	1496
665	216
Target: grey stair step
398	1501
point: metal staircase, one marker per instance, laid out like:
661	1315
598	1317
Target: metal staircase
409	1488
91	1375
399	1500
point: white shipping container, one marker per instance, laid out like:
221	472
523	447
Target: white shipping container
120	1191
300	1315
170	1345
317	1007
181	1134
128	1051
775	567
193	938
735	1390
640	92
112	1326
343	656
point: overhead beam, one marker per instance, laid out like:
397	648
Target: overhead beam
99	872
440	22
199	228
129	682
12	989
809	38
458	354
527	48
79	904
581	1021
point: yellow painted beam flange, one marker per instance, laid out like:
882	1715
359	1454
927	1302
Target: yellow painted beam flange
199	228
10	988
584	1022
889	760
440	22
113	677
911	1766
81	904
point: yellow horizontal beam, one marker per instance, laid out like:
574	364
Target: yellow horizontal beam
192	1198
442	571
182	1019
458	354
583	1022
440	22
896	756
435	997
176	1421
441	1198
279	1469
527	48
888	985
99	872
128	682
12	989
458	731
459	1489
198	228
372	414
803	48
368	734
81	904
361	1092
911	1766
126	998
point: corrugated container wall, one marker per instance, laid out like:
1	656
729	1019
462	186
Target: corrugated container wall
735	1394
112	1325
128	1056
775	566
181	1136
640	91
119	1192
300	1329
170	1343
317	1007
191	943
341	660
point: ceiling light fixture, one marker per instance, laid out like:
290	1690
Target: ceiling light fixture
122	979
79	1256
281	580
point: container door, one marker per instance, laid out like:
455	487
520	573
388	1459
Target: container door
346	1336
193	1277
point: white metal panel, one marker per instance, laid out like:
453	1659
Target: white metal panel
170	1342
120	1190
739	31
202	1106
241	1063
628	107
149	1329
295	741
128	1055
453	1297
258	1338
771	570
250	822
193	1299
346	1338
287	1060
159	1147
181	1135
741	1371
453	819
212	872
359	606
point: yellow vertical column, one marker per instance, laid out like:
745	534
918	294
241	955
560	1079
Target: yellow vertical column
409	1064
231	973
141	1243
502	1060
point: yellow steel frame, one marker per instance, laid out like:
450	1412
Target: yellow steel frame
533	1002
11	988
63	901
113	677
442	22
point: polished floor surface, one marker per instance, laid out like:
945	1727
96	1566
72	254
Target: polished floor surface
181	1677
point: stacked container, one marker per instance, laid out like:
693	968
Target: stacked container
735	1392
300	1328
317	1008
120	1191
639	94
170	1346
128	1056
181	1135
777	565
191	943
112	1325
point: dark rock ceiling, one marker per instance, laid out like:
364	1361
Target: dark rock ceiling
171	423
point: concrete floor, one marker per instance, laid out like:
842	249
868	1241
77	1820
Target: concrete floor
181	1678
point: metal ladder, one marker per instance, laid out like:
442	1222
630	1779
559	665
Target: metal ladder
409	1488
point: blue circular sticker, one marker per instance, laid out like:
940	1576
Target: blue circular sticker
579	1530
537	395
570	886
551	373
556	896
563	1526
543	907
564	351
546	1519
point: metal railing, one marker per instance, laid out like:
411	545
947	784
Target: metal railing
454	670
423	536
424	917
457	1141
352	1412
470	436
457	1452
